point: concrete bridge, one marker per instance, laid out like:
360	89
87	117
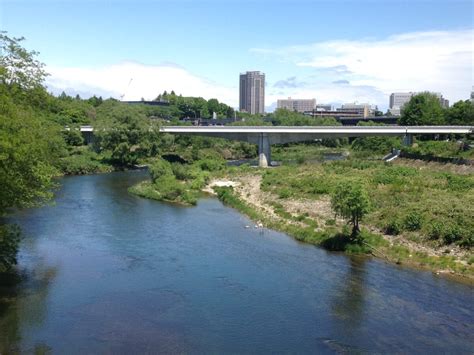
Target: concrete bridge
266	136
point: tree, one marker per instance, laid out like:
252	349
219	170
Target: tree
18	66
351	201
73	137
125	132
422	109
213	106
29	148
461	113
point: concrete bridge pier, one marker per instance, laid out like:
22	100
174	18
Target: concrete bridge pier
264	157
408	140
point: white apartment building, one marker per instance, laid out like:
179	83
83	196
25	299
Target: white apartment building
399	99
298	105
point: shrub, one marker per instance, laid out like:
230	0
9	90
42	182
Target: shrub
452	234
413	221
159	169
436	230
181	171
211	164
394	227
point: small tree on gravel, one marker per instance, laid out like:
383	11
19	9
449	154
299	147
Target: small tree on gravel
351	201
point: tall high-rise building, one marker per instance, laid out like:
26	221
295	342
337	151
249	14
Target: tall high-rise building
298	105
472	95
252	92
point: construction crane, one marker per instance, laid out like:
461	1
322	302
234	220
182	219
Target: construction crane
121	96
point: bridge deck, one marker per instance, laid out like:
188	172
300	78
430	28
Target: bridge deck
370	130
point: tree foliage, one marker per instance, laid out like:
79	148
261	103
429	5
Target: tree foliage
18	66
351	201
377	144
461	113
126	133
422	109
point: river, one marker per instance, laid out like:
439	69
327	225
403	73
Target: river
103	271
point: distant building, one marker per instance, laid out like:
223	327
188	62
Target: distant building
399	99
444	102
298	105
362	110
252	92
336	114
323	107
472	95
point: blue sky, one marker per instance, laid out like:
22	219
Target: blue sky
335	51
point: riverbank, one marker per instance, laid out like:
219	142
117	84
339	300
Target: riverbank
310	219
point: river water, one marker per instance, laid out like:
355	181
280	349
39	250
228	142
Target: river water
104	271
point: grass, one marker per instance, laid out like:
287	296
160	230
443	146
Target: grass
429	205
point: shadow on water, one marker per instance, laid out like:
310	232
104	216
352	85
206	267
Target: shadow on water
23	295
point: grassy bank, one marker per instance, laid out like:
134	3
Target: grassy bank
337	238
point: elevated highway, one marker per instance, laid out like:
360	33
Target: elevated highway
265	136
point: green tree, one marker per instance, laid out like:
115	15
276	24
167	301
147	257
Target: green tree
18	67
380	145
351	201
73	137
125	132
461	113
213	106
422	109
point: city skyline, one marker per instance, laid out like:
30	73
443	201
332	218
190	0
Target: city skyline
198	49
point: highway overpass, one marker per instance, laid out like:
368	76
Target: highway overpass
265	136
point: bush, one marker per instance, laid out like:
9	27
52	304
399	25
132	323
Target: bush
436	230
393	227
211	164
453	233
159	169
181	171
413	221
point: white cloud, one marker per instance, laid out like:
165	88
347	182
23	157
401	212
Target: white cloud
146	81
440	61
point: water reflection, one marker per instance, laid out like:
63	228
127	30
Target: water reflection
349	298
23	306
